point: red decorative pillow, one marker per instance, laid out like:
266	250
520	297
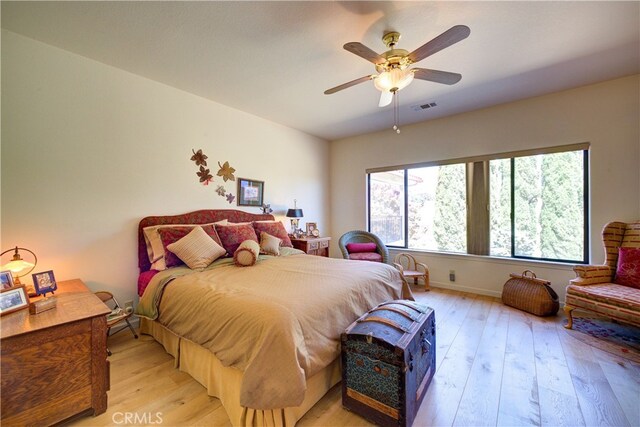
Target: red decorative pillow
356	248
628	271
274	228
232	235
171	235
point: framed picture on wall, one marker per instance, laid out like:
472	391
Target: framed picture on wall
250	192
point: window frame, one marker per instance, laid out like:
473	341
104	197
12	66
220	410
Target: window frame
584	147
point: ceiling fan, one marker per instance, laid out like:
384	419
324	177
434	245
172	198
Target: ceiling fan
393	65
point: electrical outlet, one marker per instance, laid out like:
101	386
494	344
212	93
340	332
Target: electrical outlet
452	275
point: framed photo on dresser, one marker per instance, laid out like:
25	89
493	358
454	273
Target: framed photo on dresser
311	227
44	282
6	279
13	299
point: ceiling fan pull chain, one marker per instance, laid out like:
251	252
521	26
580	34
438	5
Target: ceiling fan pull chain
396	112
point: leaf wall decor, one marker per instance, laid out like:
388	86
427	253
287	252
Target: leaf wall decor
199	157
205	175
226	172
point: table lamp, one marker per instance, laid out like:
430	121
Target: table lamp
295	214
19	267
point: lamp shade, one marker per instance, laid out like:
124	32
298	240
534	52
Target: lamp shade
19	267
294	213
393	80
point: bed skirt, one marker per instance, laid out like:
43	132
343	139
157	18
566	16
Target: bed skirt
224	382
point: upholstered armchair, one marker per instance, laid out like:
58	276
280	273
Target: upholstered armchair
380	253
595	287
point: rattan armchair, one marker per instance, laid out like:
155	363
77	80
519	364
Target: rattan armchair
360	236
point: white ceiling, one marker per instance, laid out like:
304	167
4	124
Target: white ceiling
275	59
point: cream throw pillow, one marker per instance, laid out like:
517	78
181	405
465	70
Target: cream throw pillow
197	249
247	253
269	244
155	250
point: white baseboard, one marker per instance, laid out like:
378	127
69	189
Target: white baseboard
469	289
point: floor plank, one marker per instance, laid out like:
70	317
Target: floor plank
443	396
495	366
598	403
481	397
624	381
519	403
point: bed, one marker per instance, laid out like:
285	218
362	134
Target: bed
263	339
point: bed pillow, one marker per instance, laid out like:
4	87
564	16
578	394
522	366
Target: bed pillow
274	228
356	248
628	269
247	253
269	244
197	249
169	235
231	235
155	249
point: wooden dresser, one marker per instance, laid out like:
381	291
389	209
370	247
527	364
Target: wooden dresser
313	245
54	364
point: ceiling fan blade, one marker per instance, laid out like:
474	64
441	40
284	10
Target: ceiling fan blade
385	98
348	84
436	76
364	52
452	36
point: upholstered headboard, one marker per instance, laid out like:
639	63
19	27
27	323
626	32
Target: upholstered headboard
198	217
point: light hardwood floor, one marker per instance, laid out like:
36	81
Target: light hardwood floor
495	366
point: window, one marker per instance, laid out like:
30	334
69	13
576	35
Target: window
386	207
437	208
522	205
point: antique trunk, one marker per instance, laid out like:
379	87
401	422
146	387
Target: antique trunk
388	361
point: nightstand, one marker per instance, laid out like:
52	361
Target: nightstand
54	364
312	245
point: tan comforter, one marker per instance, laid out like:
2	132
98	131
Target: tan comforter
279	321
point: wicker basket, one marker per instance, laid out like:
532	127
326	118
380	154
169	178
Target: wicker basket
528	293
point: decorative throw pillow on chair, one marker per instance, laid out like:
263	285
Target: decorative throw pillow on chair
628	269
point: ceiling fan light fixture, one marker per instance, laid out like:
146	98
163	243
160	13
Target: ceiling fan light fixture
393	80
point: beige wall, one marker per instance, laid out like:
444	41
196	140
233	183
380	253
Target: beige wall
606	115
88	150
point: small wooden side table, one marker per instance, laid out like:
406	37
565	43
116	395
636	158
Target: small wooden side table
54	364
313	245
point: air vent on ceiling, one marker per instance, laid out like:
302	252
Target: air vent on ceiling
423	106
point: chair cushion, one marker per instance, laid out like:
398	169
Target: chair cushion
608	293
355	248
628	269
366	256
